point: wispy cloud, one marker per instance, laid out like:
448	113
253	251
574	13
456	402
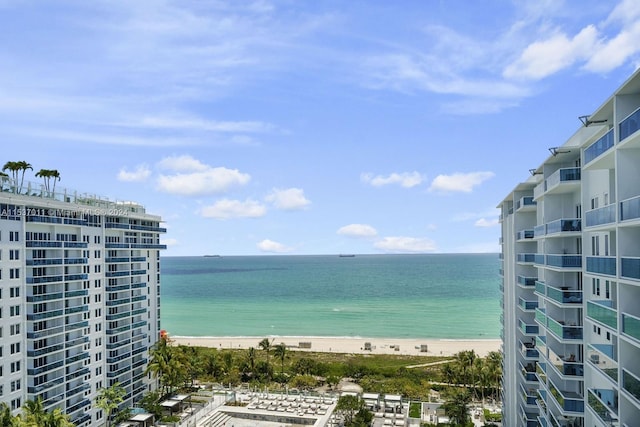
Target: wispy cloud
183	163
405	245
459	182
228	209
357	230
289	199
140	173
404	179
271	246
486	223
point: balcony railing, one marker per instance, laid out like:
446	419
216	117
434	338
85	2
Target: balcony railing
605	404
527	305
631	325
631	383
564	296
527	258
564	226
564	331
602	357
603	215
564	261
601	312
600	146
630	268
524	202
630	208
528	328
524	234
567	400
629	125
563	175
601	265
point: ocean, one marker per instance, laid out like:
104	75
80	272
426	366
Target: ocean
436	296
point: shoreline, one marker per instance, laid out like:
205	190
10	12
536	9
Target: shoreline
355	345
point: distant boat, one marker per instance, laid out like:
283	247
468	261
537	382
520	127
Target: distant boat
346	255
212	256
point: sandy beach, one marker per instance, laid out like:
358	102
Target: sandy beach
434	347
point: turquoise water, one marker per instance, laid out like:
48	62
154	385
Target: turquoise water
395	296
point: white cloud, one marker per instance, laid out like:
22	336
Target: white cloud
226	209
483	222
462	182
210	181
614	52
357	230
184	163
191	123
288	199
405	244
405	179
543	58
140	173
274	247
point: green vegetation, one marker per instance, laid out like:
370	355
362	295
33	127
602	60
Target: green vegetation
415	409
109	399
33	415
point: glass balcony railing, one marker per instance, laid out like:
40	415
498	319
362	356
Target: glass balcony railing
527	305
541	316
564	225
605	404
527	328
539	230
569	401
528	350
525	202
564	261
541	373
524	234
603	215
600	146
602	357
528	258
567	365
631	383
562	176
631	325
538	259
630	268
541	288
630	209
601	265
528	372
602	312
629	125
541	344
564	331
527	282
564	296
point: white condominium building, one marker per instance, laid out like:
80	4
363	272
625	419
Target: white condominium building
79	298
571	277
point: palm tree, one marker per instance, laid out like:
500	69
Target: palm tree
266	346
6	419
109	399
280	351
47	175
23	166
34	412
251	359
13	167
456	408
57	418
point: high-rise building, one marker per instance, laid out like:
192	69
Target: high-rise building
571	277
79	298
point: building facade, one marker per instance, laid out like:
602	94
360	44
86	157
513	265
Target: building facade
79	298
571	277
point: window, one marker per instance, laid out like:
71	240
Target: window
14	292
607	293
14	310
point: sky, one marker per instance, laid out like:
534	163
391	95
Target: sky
307	127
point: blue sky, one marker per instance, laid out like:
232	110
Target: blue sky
307	127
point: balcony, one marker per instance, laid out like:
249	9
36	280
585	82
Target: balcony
629	125
601	265
524	234
601	312
631	326
44	297
526	282
527	328
566	365
563	180
568	401
630	268
528	372
527	305
528	350
44	315
564	295
564	331
76	293
602	357
564	226
630	209
44	279
525	258
605	405
73	261
539	230
631	384
564	261
44	261
600	216
525	204
599	147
